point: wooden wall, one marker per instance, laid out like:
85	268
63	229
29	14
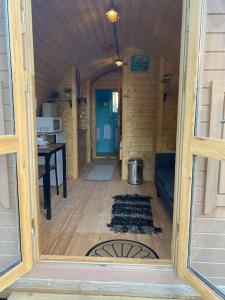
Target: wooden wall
169	124
208	246
112	80
208	234
82	110
69	118
213	66
139	109
166	107
62	40
140	92
84	121
9	220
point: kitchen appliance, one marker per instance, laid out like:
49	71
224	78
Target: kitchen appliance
49	124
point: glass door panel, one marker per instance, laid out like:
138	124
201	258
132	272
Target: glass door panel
15	219
207	223
201	184
210	102
10	245
6	91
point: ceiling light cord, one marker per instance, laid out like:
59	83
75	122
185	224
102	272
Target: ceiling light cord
112	15
116	42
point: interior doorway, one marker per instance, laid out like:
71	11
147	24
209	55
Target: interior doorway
107	130
142	95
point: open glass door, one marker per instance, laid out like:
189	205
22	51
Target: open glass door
201	253
15	222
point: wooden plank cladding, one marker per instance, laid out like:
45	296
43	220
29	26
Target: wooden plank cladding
139	114
69	117
60	40
208	219
212	61
149	119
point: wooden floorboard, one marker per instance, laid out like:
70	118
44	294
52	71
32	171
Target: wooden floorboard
79	222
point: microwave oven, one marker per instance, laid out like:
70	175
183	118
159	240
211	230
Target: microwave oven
49	124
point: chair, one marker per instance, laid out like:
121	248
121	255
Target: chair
41	174
54	167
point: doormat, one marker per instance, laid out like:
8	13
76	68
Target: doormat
133	214
102	172
122	248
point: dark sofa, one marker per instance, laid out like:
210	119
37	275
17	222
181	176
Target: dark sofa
164	179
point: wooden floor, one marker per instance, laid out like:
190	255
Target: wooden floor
79	222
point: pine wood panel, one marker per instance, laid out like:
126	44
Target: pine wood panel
139	122
61	41
206	255
212	62
82	149
70	123
208	236
170	105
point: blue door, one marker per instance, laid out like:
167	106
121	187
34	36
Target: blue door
106	123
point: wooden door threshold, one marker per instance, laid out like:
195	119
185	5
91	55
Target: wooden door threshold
38	296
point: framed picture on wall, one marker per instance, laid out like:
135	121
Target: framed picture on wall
139	63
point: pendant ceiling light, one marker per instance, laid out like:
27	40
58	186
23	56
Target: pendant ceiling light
112	14
119	62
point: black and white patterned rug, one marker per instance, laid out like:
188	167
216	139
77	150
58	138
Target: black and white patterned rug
133	214
122	248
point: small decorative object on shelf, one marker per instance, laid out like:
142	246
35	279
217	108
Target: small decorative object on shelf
68	95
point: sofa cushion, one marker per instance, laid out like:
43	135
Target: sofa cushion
165	175
169	186
165	160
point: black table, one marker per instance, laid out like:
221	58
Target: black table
47	153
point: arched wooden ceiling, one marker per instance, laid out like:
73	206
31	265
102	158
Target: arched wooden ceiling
75	32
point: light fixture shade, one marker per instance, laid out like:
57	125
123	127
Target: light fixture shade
112	15
119	62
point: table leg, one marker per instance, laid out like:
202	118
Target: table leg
48	188
64	172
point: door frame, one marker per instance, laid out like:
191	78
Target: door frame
164	263
193	145
20	142
93	117
185	115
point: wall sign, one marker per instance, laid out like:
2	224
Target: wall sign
139	63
